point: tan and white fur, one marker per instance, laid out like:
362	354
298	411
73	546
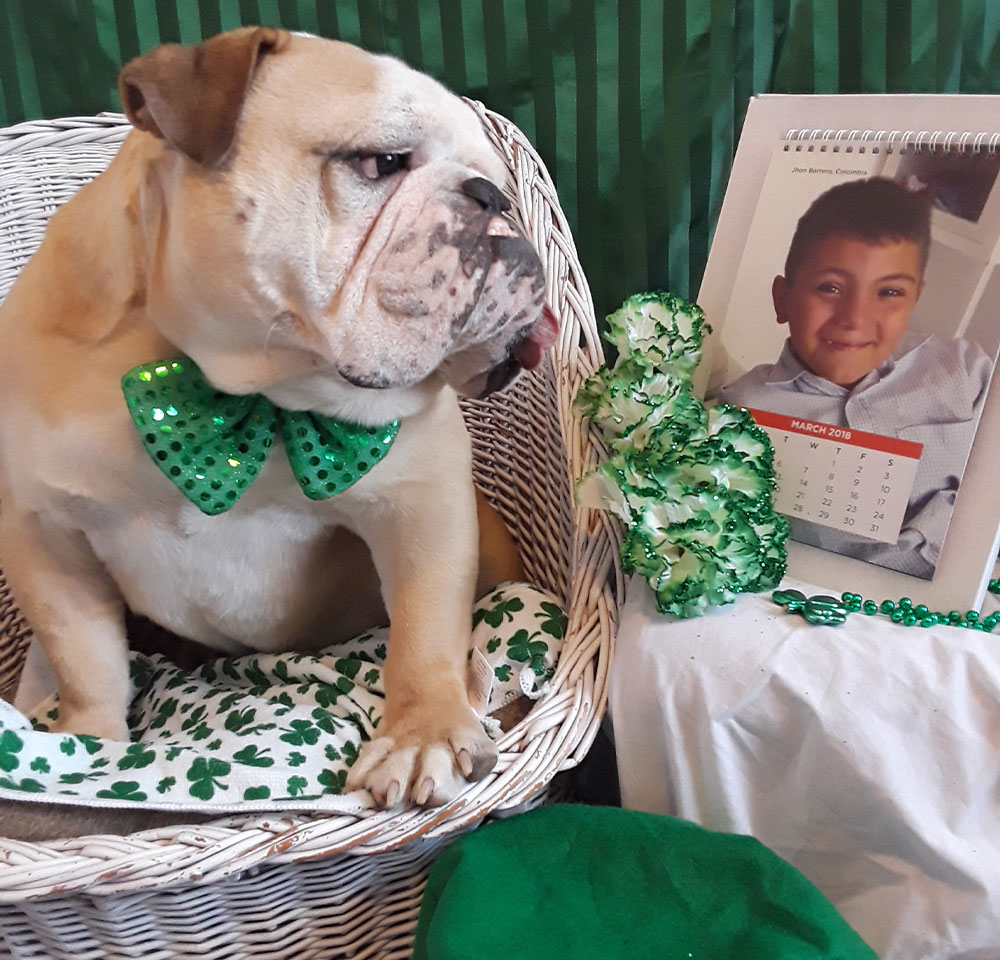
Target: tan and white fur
317	224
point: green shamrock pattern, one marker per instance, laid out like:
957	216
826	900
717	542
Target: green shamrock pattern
262	731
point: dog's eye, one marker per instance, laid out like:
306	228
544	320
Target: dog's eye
375	166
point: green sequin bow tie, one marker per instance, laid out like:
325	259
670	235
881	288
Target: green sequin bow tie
212	444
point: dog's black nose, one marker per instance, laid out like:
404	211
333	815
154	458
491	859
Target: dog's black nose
487	194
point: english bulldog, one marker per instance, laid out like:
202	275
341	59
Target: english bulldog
296	223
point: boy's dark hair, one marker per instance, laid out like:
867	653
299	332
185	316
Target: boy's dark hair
873	210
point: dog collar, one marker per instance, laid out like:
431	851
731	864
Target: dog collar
211	444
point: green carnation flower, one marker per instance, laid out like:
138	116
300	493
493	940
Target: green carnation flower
692	486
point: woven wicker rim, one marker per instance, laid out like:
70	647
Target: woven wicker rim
552	738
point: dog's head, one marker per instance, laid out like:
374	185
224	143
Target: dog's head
325	226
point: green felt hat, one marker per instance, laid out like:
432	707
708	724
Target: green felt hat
579	882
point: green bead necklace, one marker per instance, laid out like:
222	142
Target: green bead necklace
831	611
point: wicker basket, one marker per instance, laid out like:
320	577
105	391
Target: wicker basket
332	886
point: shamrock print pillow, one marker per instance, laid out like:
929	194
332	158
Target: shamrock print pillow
262	731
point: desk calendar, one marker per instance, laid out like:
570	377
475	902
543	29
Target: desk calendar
839	477
792	151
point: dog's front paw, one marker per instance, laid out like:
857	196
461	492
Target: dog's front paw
425	755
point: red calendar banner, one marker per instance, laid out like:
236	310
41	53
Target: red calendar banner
827	431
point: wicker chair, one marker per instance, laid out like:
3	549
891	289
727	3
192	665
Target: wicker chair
332	886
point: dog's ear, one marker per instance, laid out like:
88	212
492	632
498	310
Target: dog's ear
192	97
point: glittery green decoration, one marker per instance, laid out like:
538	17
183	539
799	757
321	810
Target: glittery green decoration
692	485
818	609
212	444
792	600
823	609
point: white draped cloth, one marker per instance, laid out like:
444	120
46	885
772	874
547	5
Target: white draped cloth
867	755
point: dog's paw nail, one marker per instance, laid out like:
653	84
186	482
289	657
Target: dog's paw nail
424	791
465	763
393	792
483	761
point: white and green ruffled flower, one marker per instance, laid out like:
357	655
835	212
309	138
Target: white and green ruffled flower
624	403
658	330
691	486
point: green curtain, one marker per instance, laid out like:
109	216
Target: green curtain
634	105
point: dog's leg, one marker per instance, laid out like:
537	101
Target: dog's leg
429	740
77	615
498	556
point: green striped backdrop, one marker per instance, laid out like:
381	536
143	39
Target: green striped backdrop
634	105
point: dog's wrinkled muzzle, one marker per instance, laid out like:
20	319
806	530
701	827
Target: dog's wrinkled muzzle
446	283
516	260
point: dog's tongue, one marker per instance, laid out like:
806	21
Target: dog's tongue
540	336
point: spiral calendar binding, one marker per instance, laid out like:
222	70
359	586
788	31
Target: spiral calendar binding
891	141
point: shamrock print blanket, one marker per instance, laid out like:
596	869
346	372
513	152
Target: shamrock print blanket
263	731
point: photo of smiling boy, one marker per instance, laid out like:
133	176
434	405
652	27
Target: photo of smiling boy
852	276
